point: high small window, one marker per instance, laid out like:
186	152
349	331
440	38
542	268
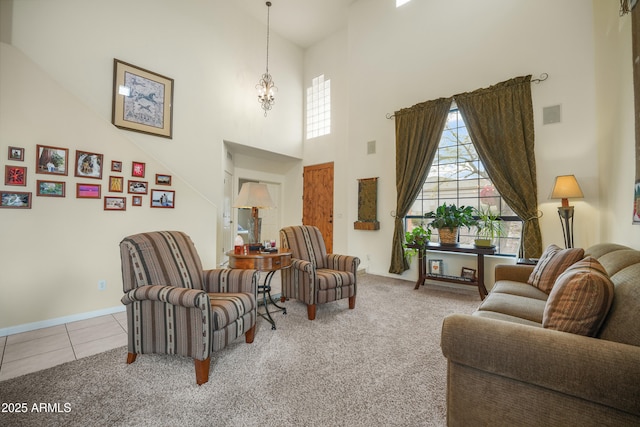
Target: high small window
319	107
458	176
401	2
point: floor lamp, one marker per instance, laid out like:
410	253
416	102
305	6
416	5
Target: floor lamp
256	196
566	187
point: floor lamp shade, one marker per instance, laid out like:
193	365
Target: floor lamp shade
254	195
566	187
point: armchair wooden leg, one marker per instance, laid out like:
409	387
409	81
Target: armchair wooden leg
352	302
311	311
131	357
202	370
250	335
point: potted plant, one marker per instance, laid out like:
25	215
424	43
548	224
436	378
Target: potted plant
420	235
489	226
447	219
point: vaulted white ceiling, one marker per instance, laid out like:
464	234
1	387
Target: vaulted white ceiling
303	22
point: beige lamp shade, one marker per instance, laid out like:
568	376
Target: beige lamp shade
254	195
566	187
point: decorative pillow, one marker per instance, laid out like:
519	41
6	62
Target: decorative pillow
553	262
580	299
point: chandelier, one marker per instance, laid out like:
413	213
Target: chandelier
265	86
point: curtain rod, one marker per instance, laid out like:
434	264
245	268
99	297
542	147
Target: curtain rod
543	77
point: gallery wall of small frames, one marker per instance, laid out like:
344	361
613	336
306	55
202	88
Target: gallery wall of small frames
125	181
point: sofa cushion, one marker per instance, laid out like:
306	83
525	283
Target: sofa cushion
553	262
580	299
518	288
514	305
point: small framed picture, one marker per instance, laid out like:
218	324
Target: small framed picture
138	187
163	199
15	200
88	191
163	179
136	200
435	266
16	153
52	160
115	203
468	273
50	188
88	165
15	175
116	166
116	184
137	169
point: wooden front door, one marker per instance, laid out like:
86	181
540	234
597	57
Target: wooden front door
317	197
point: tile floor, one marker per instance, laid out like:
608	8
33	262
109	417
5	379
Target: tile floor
43	348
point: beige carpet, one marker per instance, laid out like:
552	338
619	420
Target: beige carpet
377	365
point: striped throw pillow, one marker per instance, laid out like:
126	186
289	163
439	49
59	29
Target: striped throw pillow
580	299
553	262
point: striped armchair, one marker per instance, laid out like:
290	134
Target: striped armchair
316	277
175	307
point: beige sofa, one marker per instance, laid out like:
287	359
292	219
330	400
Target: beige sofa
505	369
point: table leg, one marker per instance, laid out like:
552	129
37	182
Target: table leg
422	268
481	288
266	291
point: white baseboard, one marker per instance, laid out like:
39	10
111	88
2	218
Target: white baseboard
59	321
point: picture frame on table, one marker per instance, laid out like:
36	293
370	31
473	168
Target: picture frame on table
115	203
88	191
142	100
468	273
163	199
435	267
16	153
46	188
88	165
15	199
162	179
138	187
52	160
15	175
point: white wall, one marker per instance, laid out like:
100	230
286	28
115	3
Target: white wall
53	255
215	54
213	51
425	50
615	113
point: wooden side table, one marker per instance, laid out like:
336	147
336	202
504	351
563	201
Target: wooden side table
464	249
263	261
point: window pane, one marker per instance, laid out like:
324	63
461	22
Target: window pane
458	176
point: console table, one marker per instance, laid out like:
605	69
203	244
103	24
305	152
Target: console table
458	248
263	261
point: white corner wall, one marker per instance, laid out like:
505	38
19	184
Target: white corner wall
53	255
397	57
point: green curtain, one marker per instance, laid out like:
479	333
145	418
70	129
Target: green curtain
418	132
500	122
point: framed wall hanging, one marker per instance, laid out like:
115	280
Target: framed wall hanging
15	200
15	175
50	188
88	165
52	160
142	100
163	199
16	153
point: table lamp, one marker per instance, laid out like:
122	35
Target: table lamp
566	187
256	196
